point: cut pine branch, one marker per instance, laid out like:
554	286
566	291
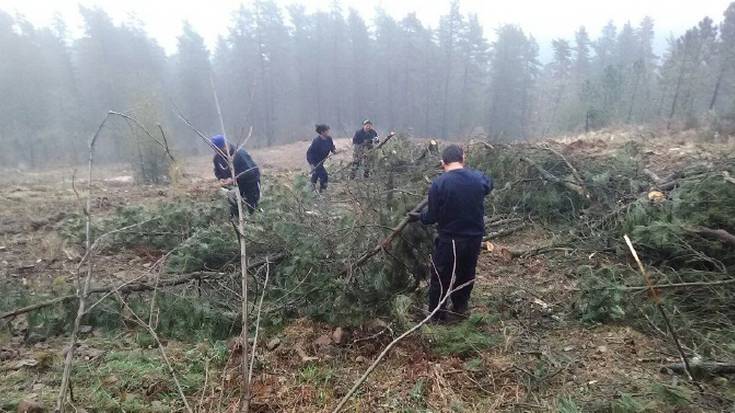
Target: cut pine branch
385	242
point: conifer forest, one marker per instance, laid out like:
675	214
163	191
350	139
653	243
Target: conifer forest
329	210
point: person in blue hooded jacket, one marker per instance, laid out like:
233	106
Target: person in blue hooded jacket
247	172
456	206
318	152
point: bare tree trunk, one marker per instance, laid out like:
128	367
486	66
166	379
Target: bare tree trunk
716	92
633	98
677	90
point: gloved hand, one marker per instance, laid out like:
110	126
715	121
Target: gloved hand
413	216
376	140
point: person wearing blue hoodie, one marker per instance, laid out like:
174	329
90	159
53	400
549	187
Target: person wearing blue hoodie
456	206
247	172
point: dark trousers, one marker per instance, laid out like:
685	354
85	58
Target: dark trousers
250	192
468	249
320	174
359	157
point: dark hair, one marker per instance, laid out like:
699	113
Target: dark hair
321	128
452	153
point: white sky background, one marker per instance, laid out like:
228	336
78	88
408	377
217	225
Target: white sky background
544	19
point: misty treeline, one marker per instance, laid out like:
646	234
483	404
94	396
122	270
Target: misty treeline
280	70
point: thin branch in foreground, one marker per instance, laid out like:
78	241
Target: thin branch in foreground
257	323
166	360
657	300
83	291
390	345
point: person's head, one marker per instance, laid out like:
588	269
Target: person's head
452	157
322	129
367	124
218	141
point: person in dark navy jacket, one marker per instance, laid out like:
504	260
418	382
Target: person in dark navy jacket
317	153
456	206
247	172
363	142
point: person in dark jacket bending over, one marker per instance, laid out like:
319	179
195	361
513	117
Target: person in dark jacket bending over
362	143
247	172
456	205
317	153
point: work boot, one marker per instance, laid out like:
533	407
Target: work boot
459	313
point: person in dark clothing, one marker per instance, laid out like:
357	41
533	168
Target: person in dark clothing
455	204
362	142
247	172
317	153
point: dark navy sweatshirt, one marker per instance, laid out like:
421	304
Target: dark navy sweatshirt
363	137
319	150
456	203
245	168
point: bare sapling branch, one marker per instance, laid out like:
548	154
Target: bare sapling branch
257	322
83	291
244	405
450	291
162	350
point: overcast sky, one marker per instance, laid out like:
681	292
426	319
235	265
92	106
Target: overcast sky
543	19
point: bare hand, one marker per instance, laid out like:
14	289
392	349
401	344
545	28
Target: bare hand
227	181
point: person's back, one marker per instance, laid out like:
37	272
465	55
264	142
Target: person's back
247	173
457	197
245	166
456	204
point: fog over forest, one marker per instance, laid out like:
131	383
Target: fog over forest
280	70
